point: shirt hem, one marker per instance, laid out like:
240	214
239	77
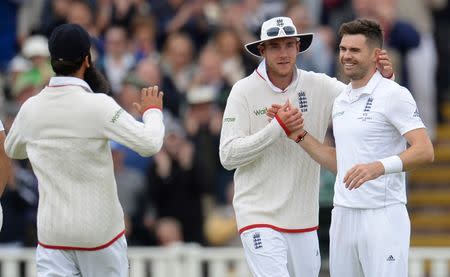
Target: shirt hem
57	247
279	229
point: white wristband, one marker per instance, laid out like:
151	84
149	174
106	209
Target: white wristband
392	164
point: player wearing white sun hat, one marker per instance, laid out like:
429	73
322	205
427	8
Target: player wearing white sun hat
276	182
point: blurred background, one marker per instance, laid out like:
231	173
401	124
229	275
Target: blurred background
193	50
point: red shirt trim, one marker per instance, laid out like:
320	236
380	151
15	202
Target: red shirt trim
266	80
283	230
71	85
259	74
83	248
151	107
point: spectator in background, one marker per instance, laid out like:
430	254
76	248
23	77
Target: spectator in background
20	202
176	182
177	60
209	73
81	13
143	41
117	60
28	23
422	79
31	70
203	121
178	16
169	232
320	56
235	63
54	13
115	12
35	49
16	66
149	72
25	86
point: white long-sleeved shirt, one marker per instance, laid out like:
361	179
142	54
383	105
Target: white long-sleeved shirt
64	131
276	181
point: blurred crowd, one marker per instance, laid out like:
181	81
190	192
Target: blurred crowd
193	50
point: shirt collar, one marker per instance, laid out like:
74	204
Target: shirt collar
368	89
262	72
60	81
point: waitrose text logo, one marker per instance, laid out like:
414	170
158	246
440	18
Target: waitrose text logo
262	111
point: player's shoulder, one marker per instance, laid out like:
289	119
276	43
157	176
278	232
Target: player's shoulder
246	85
322	79
392	89
31	103
316	76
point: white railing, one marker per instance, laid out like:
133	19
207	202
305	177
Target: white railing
192	260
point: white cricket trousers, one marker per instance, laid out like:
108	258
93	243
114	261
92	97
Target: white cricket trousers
270	253
111	261
369	242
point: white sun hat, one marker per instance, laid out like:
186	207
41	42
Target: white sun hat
279	27
36	45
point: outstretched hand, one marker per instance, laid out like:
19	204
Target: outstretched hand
151	97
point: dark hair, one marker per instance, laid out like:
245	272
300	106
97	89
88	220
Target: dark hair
368	28
65	68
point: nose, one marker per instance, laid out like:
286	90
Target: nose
284	52
345	54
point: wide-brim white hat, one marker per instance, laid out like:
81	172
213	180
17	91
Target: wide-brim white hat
284	28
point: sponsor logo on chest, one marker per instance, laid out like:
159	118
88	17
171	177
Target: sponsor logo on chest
261	111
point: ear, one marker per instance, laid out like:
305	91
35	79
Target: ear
261	49
376	52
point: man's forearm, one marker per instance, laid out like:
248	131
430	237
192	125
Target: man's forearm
323	154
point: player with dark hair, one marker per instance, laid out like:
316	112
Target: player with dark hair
65	131
373	120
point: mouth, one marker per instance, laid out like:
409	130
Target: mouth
348	65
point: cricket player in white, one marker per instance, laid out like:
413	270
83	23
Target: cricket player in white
5	168
373	120
65	131
276	182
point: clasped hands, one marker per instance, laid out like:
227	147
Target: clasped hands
289	117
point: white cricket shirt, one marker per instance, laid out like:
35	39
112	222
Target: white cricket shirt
276	181
369	125
64	131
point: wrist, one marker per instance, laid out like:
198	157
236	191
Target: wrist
392	164
301	136
285	128
151	107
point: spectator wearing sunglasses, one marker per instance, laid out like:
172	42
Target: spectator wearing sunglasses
276	182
